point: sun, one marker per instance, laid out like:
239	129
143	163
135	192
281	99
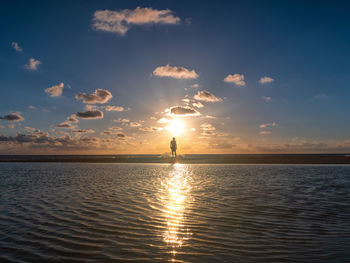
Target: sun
176	127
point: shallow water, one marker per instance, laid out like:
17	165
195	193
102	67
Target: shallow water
51	212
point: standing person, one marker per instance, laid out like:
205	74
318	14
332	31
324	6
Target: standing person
173	147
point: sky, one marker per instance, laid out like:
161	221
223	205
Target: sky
124	77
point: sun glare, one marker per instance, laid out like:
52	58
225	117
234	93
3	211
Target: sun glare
176	127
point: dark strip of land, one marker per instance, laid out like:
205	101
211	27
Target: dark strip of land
188	158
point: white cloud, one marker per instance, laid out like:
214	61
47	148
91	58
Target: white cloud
135	124
163	120
237	79
266	125
195	86
206	96
265	132
32	64
56	90
114	108
265	80
122	120
121	21
197	104
99	96
175	72
207	127
150	129
16	47
31	107
266	99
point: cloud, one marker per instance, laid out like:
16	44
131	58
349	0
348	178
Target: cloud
65	125
198	104
208	133
175	72
83	131
112	132
15	117
122	120
31	107
265	132
16	47
32	64
163	120
90	114
266	99
29	129
116	128
321	96
237	79
99	96
207	127
11	126
267	125
206	96
192	129
150	129
56	90
265	80
195	86
121	21
114	108
135	124
182	111
72	118
2	127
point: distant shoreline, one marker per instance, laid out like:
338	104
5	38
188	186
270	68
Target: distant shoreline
186	159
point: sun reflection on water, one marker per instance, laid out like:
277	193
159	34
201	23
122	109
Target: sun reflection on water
176	196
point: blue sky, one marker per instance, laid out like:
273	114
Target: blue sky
300	46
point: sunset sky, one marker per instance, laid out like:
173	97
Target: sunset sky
117	77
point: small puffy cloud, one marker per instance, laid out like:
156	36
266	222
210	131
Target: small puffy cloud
207	127
32	64
206	96
72	118
83	131
150	129
209	117
11	126
29	129
112	132
237	79
121	21
16	47
116	128
122	120
15	117
135	124
114	108
163	120
175	72
265	80
99	96
266	99
31	107
198	104
208	133
90	114
267	125
56	90
182	111
265	132
65	125
195	86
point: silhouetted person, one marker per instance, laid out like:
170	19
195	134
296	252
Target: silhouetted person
173	147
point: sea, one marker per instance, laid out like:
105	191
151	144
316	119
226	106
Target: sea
173	212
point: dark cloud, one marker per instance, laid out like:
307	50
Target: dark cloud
12	117
83	131
65	125
90	114
183	111
99	96
206	96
